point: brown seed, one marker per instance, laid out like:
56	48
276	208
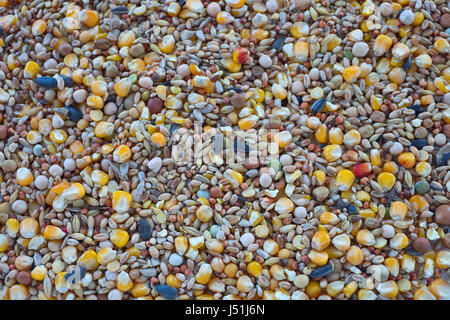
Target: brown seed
378	116
238	101
64	49
447	241
3	132
103	44
215	192
155	105
445	20
421	245
442	215
23	277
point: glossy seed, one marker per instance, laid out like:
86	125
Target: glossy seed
46	82
322	271
145	232
318	105
166	291
74	113
278	44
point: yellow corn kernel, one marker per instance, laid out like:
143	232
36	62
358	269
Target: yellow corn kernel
18	292
332	152
58	136
106	255
124	282
406	159
440	288
335	136
335	288
341	242
167	44
159	139
419	202
224	17
390	166
313	289
121	201
140	290
244	284
398	210
38	27
442	84
53	233
204	213
88	260
301	50
89	17
122	153
254	268
319	258
321	133
204	274
231	66
119	237
350	289
393	266
423	61
344	179
367	8
320	240
351	73
95	102
73	192
355	255
365	237
375	157
31	70
173	281
366	294
442	46
443	259
399	241
320	176
99	87
104	129
173	9
24	176
71	60
122	87
99	177
126	39
397	75
181	245
386	180
12	227
381	45
299	29
400	51
352	138
423	294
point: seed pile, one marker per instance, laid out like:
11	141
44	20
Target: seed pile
93	205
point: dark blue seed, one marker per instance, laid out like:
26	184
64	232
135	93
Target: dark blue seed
322	271
181	2
408	63
120	10
417	108
318	105
278	44
351	208
1	31
74	113
145	232
46	82
419	143
412	252
76	275
340	204
68	82
173	128
442	161
235	89
166	291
